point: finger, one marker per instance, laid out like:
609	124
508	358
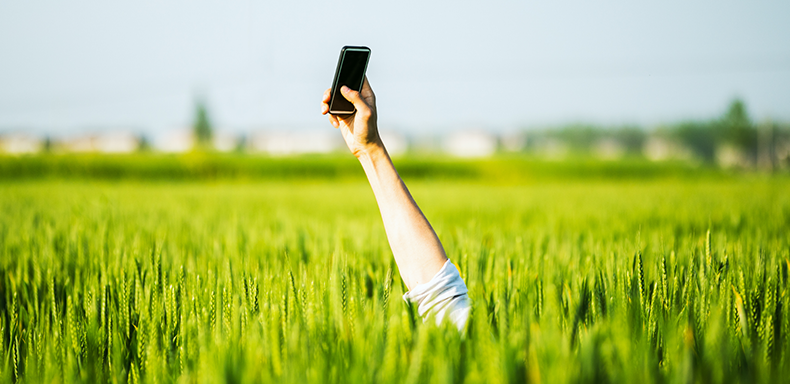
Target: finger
366	90
325	102
355	98
333	121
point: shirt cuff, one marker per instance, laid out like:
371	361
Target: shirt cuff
444	295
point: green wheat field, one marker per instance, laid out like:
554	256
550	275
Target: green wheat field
127	270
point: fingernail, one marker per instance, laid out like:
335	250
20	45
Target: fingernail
344	89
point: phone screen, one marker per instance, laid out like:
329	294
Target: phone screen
350	72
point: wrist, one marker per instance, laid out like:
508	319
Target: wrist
370	150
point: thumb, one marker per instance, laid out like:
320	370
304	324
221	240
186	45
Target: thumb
354	97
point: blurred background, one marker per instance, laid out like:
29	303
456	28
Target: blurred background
700	83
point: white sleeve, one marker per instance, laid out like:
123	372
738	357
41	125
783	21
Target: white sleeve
444	295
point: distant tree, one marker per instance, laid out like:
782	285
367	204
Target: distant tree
202	125
736	128
143	145
631	137
698	136
47	147
241	145
579	137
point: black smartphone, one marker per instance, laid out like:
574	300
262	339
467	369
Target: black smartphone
350	72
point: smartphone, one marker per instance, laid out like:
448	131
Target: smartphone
350	72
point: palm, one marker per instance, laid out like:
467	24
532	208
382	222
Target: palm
356	128
359	129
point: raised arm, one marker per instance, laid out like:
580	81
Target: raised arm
415	246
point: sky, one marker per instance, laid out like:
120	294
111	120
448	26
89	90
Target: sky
70	67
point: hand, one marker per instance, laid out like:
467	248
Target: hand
359	129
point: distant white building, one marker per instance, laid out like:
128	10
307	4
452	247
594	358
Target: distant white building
514	142
78	144
20	143
293	142
105	142
224	141
608	149
174	141
729	156
470	144
425	143
659	149
116	142
551	148
783	152
395	142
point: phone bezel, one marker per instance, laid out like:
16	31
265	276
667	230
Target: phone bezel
337	74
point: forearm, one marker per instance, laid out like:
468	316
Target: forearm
415	246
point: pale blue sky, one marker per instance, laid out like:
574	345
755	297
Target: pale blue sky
83	65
